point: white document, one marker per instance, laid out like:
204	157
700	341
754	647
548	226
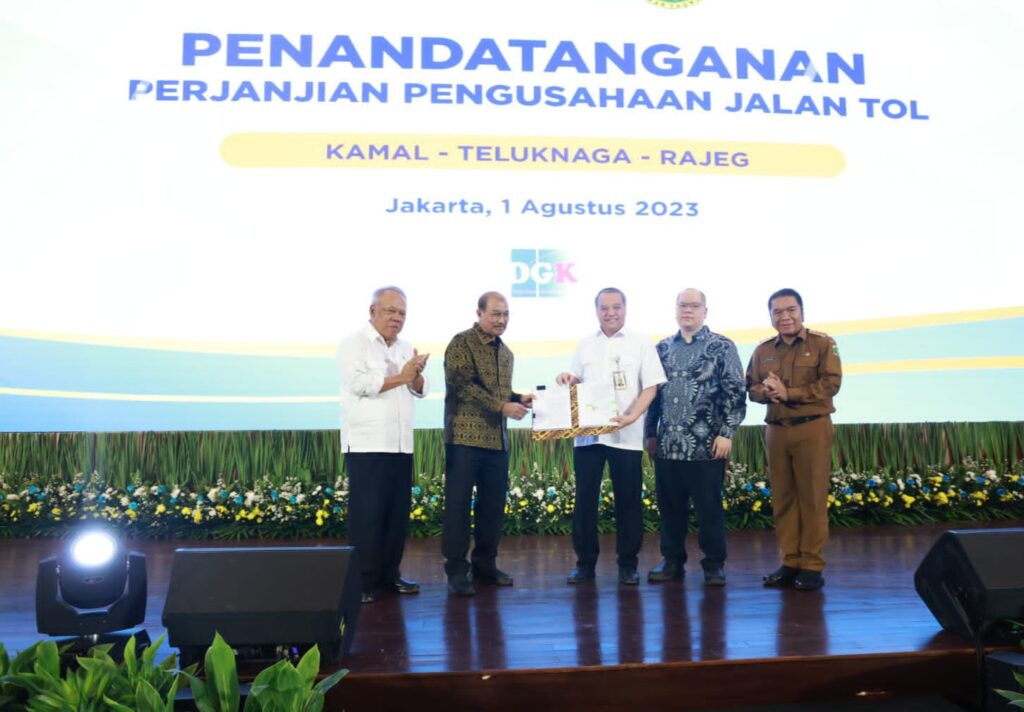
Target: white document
596	402
552	409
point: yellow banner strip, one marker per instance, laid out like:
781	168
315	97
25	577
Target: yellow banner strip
533	153
521	348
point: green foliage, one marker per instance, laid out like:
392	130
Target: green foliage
198	460
1016	698
36	680
283	687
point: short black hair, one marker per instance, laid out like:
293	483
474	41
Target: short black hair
786	292
610	290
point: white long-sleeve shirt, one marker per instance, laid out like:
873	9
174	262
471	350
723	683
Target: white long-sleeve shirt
372	421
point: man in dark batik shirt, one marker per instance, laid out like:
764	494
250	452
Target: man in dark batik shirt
689	431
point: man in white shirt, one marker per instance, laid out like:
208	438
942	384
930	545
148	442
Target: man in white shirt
380	376
629	363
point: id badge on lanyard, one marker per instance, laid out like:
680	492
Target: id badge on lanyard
618	376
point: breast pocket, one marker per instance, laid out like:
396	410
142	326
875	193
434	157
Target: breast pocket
805	368
766	366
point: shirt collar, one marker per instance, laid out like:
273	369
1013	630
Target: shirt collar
484	337
802	336
621	333
372	334
700	335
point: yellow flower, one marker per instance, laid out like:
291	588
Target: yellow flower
131	514
160	509
941	498
55	511
757	506
907	500
523	503
186	511
551	507
647	501
197	515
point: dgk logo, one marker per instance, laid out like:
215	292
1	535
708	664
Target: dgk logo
541	273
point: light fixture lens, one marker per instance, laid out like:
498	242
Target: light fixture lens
93	549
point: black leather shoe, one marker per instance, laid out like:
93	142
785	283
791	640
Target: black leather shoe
665	571
628	576
579	575
460	586
714	577
368	598
495	578
403	585
782	576
808	580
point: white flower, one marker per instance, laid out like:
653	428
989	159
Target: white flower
539	494
517	492
124	501
991	475
760	484
212	494
299	498
250	499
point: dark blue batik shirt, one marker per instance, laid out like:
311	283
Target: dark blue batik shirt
705	395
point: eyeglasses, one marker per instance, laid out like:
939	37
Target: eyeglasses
694	306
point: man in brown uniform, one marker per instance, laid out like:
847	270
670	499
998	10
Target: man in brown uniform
796	373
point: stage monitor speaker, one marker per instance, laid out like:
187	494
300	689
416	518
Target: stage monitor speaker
972	578
270	602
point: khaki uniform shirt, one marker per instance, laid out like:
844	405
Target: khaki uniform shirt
809	368
478	377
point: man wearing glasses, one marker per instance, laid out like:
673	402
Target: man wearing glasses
689	429
796	373
380	376
478	400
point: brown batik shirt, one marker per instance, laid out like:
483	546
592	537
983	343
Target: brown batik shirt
478	380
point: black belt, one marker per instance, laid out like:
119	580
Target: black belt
795	421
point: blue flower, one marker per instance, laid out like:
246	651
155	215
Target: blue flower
329	490
161	489
131	488
945	478
274	495
1000	491
768	491
33	489
433	499
892	487
41	495
980	480
417	491
336	509
847	490
926	490
872	482
79	487
748	486
199	498
239	499
133	505
293	499
174	500
223	494
102	499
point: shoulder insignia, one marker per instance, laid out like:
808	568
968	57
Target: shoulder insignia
770	338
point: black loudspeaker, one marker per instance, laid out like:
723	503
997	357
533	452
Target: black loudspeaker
972	578
272	602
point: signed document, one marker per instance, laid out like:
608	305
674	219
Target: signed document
552	409
597	405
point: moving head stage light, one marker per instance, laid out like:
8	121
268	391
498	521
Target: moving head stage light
92	588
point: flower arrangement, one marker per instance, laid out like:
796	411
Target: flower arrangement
538	502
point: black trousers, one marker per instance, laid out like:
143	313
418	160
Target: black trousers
487	470
678	481
379	497
626	471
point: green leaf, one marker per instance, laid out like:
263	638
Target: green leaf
222	674
309	666
330	681
147	699
201	694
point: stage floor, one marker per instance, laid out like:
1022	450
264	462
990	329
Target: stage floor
868	608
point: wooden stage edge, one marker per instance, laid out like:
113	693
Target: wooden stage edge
717	684
604	646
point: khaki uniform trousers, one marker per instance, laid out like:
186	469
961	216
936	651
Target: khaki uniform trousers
800	470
